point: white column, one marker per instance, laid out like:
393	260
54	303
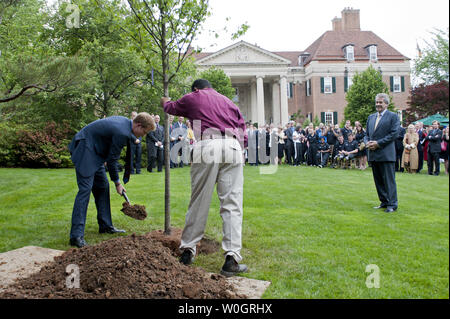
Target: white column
284	100
253	103
276	103
260	100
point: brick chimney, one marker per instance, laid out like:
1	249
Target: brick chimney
350	20
337	24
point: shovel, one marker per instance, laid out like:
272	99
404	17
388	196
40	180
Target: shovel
135	211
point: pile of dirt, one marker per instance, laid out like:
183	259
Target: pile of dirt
123	267
135	211
172	241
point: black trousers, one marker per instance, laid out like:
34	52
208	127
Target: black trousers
433	158
420	161
289	150
136	157
157	160
384	177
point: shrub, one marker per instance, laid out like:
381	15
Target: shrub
46	147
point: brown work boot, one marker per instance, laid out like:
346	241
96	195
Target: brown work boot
231	267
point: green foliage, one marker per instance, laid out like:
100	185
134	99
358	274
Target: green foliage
361	95
219	81
432	65
46	147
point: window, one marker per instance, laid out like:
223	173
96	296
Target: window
308	87
290	89
349	53
397	84
328	85
373	53
400	115
329	118
349	82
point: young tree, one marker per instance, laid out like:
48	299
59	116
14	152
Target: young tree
219	81
432	63
361	95
171	25
426	100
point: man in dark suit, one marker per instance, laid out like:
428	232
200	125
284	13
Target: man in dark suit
98	143
434	139
399	149
155	147
289	144
382	130
136	152
419	130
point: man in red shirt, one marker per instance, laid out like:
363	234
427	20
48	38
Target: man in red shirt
217	158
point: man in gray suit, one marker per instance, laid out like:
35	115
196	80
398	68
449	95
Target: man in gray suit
382	130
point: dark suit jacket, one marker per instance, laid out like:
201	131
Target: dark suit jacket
154	136
385	135
421	138
434	138
101	141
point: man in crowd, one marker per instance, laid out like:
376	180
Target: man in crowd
434	139
215	112
98	143
350	149
323	152
399	149
382	129
346	130
136	151
155	147
338	151
179	133
420	132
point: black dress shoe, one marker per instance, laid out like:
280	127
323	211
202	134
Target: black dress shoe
231	267
78	241
187	257
380	206
390	209
112	230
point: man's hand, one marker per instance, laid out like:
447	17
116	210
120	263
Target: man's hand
120	189
164	100
372	145
137	141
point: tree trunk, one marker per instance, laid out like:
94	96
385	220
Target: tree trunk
165	67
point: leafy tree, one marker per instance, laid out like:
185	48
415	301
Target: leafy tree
219	81
171	25
28	66
432	63
426	100
361	95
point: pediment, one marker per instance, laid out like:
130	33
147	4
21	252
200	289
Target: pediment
243	53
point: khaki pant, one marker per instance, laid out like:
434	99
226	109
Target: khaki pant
220	162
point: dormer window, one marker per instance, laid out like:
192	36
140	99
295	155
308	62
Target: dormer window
349	52
302	58
372	52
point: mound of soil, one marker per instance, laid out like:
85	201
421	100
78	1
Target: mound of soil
123	267
206	246
135	211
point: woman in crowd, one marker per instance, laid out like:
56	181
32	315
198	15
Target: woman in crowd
281	138
362	153
410	156
297	137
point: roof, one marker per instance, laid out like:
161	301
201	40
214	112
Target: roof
329	46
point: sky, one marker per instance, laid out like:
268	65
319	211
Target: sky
292	25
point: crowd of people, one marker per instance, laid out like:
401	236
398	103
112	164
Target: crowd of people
320	146
330	145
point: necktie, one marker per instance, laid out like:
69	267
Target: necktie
378	120
126	174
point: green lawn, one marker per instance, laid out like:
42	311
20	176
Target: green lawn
309	231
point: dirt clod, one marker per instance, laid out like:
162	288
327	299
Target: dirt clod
126	267
134	211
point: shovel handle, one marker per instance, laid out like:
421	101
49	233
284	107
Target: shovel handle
126	197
